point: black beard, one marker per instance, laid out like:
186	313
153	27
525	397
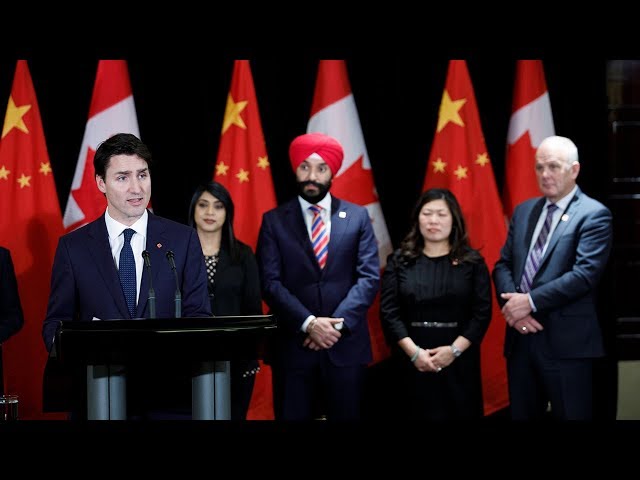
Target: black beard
323	189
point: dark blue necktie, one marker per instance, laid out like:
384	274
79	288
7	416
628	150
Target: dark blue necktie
127	272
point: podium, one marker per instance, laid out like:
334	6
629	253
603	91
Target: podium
107	348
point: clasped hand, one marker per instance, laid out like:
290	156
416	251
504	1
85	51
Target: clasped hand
434	359
517	313
323	335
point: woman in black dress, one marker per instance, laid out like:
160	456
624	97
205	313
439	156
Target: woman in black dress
435	308
232	271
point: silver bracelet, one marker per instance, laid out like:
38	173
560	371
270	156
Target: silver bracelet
414	357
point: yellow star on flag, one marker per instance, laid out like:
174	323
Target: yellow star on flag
438	166
482	159
461	172
221	168
242	175
4	173
14	116
263	162
24	180
232	114
449	111
45	168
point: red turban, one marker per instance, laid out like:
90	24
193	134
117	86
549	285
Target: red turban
328	148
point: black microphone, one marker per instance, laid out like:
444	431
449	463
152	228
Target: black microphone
152	293
178	297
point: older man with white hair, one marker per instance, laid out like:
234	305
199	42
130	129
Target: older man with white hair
546	280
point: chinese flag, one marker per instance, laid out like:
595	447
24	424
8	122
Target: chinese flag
459	161
112	111
243	168
531	122
334	113
30	226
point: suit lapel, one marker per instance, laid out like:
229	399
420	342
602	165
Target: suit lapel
534	215
100	250
299	227
339	223
157	246
532	221
224	260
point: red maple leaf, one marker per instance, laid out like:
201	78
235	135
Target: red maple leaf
90	200
355	185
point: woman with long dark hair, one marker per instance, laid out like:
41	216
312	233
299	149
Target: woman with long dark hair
435	309
232	272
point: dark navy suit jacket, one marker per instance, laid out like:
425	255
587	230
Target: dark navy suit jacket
295	287
564	288
85	283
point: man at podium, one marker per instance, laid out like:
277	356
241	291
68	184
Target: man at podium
128	263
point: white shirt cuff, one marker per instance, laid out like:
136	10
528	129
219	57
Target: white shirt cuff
306	322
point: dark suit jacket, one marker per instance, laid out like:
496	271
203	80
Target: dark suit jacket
11	318
295	287
564	288
236	289
85	282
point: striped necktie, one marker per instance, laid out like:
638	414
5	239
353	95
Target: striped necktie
319	237
535	255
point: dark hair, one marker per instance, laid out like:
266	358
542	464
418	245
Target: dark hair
119	144
229	241
413	243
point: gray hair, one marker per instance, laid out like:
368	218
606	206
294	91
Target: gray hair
563	144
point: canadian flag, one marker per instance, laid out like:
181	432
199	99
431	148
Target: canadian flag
531	122
334	113
112	111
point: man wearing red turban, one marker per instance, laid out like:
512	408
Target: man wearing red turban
319	268
323	146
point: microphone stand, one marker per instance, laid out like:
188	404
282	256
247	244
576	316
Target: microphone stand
152	293
178	296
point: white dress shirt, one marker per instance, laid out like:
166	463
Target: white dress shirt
307	214
138	242
325	213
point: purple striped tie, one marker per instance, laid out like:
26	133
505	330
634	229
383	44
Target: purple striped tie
535	255
319	237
